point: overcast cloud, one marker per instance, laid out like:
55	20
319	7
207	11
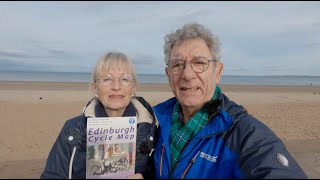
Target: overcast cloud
258	38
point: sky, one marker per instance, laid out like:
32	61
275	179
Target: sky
257	38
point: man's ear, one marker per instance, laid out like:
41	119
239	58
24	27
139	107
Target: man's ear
167	73
219	68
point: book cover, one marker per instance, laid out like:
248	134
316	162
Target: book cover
111	147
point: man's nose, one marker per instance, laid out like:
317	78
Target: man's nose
188	72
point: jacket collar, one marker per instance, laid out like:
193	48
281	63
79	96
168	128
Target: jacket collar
226	117
94	108
100	112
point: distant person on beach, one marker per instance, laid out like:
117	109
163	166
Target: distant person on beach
114	85
203	134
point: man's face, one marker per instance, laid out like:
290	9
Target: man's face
193	89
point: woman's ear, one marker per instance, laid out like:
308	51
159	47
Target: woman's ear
93	87
134	91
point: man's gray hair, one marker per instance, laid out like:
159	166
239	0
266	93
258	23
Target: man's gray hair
192	31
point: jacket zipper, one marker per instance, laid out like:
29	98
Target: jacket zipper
215	113
71	162
162	151
191	162
194	158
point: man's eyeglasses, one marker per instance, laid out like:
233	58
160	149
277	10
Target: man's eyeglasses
125	80
198	64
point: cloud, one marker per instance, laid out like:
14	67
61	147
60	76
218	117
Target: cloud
17	54
257	37
44	47
277	67
23	65
148	64
146	59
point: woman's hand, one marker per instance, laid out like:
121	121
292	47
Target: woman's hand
135	176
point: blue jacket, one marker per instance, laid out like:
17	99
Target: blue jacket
233	145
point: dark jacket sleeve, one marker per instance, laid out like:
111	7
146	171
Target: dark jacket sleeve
261	153
146	141
144	162
57	164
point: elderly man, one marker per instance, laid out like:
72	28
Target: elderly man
203	134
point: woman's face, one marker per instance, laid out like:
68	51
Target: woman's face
115	89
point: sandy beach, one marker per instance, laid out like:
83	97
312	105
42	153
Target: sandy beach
33	114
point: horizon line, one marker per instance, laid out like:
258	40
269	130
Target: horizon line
26	71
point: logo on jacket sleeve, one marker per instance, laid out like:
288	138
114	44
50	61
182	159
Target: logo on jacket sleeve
208	157
283	160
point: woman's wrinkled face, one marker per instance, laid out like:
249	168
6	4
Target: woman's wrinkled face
115	89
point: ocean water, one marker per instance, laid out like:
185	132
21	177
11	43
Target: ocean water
158	78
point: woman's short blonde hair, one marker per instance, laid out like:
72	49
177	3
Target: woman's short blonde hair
113	60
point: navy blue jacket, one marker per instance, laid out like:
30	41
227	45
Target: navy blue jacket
233	145
65	147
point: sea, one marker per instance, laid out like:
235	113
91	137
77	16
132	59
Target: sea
158	78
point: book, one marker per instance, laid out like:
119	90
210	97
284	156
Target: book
111	147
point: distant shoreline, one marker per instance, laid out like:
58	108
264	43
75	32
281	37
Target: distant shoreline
89	72
80	77
155	87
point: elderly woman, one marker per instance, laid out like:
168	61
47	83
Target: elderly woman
114	85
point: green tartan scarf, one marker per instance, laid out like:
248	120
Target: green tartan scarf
182	134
